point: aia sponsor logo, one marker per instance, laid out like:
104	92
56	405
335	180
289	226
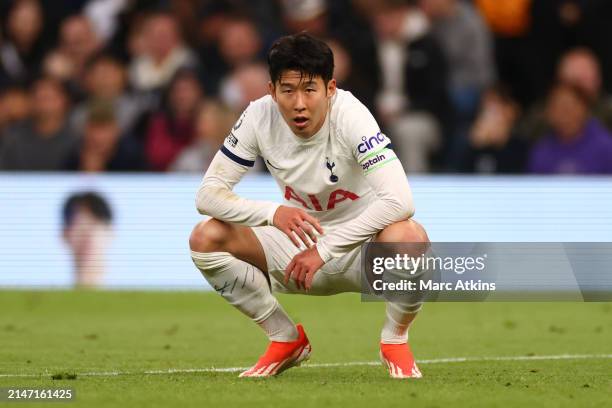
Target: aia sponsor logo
335	197
370	143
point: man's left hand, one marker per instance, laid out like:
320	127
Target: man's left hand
303	267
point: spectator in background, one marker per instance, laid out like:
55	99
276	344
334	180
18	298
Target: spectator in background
22	49
580	67
87	231
413	101
106	82
161	53
305	15
213	17
467	47
509	18
173	128
510	23
102	147
44	141
14	107
577	143
495	146
562	24
78	44
348	24
104	16
595	33
239	44
348	34
213	125
243	85
348	77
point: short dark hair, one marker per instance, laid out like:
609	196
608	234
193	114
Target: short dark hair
93	201
301	52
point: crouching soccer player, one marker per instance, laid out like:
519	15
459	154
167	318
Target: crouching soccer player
342	186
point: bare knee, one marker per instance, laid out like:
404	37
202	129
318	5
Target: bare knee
414	232
404	231
210	236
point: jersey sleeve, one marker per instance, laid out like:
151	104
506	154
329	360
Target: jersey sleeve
238	153
240	145
371	148
384	174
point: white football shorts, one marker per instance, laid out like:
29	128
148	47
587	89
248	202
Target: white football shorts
336	276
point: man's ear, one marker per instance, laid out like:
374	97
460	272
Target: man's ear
331	88
271	89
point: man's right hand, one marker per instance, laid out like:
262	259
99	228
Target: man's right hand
295	221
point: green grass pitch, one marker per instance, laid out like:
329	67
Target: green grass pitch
111	339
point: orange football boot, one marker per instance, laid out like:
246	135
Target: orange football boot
399	360
280	356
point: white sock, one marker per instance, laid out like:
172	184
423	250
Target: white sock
279	326
245	287
397	321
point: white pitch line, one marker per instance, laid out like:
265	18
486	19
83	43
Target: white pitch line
327	365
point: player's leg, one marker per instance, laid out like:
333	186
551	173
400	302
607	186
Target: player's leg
395	352
232	260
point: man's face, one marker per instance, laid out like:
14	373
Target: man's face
582	71
106	79
303	101
48	100
566	113
101	138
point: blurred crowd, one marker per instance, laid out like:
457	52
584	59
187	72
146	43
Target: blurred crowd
475	86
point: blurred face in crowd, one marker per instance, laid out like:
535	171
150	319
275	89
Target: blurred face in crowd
185	94
78	39
566	112
211	27
25	22
101	137
161	36
206	121
247	83
106	79
389	21
303	101
581	69
14	105
49	101
214	122
239	42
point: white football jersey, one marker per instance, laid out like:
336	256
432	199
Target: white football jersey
336	175
324	174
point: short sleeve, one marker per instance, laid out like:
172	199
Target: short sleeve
240	145
371	148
